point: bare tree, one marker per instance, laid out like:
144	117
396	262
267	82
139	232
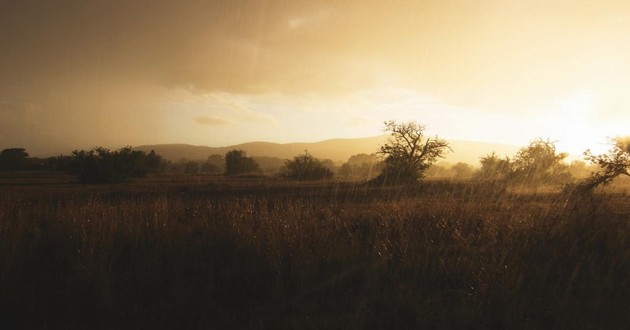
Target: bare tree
408	154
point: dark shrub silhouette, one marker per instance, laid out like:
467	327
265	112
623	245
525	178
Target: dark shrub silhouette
13	159
237	162
305	167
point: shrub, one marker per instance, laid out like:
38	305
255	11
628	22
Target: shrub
237	162
306	167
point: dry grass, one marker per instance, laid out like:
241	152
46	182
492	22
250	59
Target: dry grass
267	254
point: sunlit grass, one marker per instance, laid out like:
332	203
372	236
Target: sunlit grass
450	255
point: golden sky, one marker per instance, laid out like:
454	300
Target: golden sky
76	74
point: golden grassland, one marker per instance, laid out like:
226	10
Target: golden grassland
211	252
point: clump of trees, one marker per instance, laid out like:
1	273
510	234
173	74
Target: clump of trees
536	163
408	154
100	165
405	158
13	159
213	165
609	165
237	163
306	167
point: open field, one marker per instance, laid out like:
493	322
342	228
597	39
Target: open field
211	252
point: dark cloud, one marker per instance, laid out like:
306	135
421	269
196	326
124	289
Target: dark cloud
446	47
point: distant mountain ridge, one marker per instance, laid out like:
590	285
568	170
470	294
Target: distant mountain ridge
338	150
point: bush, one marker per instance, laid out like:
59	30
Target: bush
305	167
539	162
237	162
13	159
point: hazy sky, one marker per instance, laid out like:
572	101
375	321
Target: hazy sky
76	74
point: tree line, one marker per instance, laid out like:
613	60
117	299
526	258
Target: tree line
407	157
101	165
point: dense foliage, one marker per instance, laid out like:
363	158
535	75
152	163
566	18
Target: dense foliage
534	164
305	167
237	162
13	159
101	165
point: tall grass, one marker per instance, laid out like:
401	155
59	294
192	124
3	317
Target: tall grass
328	258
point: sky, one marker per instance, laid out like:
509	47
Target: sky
78	74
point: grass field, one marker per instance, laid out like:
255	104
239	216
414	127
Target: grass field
211	252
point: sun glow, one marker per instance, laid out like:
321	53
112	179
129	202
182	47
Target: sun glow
572	123
500	72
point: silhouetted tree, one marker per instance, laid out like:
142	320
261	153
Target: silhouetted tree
539	162
306	167
237	162
610	165
408	154
13	159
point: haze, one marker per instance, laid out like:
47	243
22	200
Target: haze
76	74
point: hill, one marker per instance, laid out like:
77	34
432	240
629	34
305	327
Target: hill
338	150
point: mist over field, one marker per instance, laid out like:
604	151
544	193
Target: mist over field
338	150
